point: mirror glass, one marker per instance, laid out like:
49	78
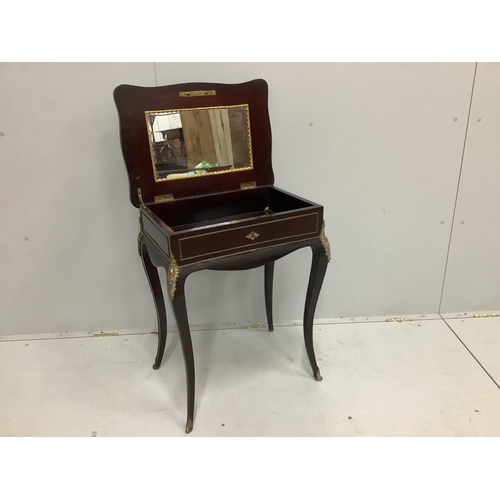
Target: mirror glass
199	141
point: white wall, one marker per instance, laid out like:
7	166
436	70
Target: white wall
65	190
473	273
377	144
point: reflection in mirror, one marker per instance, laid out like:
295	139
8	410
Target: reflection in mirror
199	141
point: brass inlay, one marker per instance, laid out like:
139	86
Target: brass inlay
164	197
252	236
325	242
151	148
248	185
173	274
196	93
486	315
398	320
249	225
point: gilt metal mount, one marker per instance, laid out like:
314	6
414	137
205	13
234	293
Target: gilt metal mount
173	274
196	93
325	242
140	235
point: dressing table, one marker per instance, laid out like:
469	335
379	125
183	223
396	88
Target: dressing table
198	157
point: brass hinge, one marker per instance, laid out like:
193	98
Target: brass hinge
139	194
107	334
248	185
398	320
164	197
486	315
196	93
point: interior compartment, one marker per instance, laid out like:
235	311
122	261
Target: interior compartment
227	207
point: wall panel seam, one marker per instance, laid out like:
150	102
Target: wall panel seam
458	189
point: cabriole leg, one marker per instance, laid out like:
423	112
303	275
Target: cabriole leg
268	293
155	285
318	270
180	311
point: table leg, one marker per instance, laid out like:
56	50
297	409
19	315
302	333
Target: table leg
268	293
180	311
155	285
318	270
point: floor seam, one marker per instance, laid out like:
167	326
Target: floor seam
471	353
27	338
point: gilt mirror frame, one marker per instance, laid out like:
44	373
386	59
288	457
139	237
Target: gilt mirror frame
204	171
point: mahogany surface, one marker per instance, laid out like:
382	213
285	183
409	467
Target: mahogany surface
206	233
132	102
155	284
268	293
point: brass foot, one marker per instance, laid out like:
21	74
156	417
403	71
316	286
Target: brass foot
318	376
271	329
156	367
189	426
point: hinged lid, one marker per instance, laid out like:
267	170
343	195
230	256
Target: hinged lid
192	139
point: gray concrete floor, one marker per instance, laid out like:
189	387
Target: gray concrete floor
419	378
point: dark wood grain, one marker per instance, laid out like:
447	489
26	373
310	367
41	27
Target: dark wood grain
132	102
237	204
318	270
181	316
268	293
159	301
214	226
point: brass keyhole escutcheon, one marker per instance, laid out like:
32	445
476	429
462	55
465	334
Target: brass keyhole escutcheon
252	236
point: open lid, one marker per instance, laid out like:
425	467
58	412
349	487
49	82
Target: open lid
192	139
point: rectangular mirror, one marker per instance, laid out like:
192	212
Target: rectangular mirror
199	141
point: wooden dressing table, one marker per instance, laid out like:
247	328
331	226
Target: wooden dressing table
198	156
